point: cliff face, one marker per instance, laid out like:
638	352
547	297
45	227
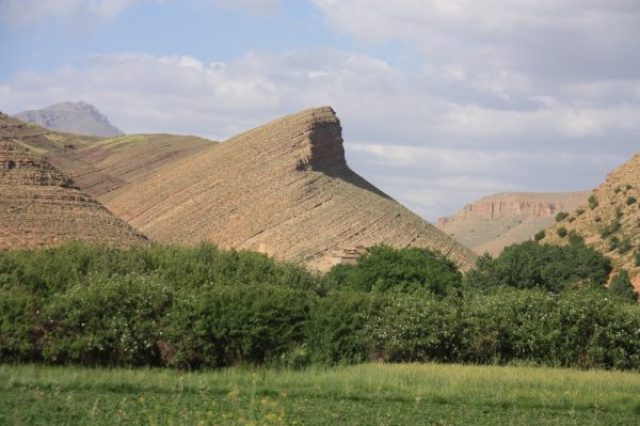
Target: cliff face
72	117
498	220
283	188
610	220
41	206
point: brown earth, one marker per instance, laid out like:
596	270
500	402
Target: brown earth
283	188
40	206
101	165
613	214
498	220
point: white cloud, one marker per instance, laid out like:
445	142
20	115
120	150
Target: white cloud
402	130
22	13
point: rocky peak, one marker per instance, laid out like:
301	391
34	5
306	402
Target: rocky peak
72	117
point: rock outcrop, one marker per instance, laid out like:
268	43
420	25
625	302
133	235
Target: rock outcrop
283	188
496	221
40	206
72	117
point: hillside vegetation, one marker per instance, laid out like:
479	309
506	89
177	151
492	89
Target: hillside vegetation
610	219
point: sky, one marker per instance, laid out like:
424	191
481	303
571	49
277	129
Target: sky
441	101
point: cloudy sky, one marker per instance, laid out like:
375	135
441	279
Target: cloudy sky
441	101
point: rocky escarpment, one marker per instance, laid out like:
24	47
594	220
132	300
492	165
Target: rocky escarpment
40	206
496	221
283	188
72	117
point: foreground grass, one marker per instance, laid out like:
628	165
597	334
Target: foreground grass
366	394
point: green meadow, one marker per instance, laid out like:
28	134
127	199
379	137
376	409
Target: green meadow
366	394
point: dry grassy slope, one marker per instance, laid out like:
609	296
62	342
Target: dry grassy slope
40	206
100	165
498	220
614	200
283	188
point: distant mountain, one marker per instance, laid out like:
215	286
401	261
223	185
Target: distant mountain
72	117
498	220
40	206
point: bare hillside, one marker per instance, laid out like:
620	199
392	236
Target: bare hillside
100	165
40	206
283	188
498	220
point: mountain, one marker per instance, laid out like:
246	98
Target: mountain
283	188
496	221
72	117
610	219
100	165
41	206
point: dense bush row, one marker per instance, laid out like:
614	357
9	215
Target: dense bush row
204	307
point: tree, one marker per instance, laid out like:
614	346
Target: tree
622	288
384	268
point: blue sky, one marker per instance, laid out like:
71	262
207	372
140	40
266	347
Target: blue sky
441	101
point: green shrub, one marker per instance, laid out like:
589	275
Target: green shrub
20	324
337	328
625	245
621	287
384	268
562	232
579	211
108	321
539	236
631	200
561	216
550	267
416	329
229	325
613	243
593	202
612	228
636	257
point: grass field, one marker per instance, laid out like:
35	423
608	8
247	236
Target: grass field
372	394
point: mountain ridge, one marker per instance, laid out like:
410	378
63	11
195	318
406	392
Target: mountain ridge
72	117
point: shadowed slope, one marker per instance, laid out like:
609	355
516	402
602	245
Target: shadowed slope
283	188
40	206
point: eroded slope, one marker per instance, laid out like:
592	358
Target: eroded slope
40	206
283	188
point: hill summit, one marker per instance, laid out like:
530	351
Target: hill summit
283	188
72	117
